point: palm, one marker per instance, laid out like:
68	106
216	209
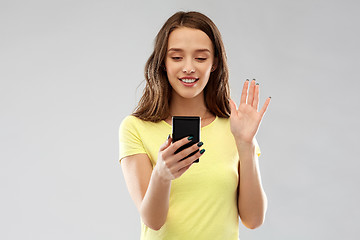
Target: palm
245	120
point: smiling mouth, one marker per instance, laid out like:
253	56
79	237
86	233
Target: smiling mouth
189	80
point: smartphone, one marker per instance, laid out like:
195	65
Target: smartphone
183	126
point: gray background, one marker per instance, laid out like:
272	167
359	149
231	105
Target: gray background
69	74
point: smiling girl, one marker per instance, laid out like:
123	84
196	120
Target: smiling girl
187	75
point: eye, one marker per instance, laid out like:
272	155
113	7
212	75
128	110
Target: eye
201	59
176	58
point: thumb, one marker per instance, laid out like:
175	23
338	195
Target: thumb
232	106
166	144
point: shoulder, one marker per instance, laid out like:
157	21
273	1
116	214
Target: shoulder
222	122
131	121
135	124
130	124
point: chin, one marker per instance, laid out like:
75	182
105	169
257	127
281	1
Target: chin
189	95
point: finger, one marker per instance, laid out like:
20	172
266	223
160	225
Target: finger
244	92
169	152
166	144
256	97
174	146
265	106
250	99
187	151
188	161
233	107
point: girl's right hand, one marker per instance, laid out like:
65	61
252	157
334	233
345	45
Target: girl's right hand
168	165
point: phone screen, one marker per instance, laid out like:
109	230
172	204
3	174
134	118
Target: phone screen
183	126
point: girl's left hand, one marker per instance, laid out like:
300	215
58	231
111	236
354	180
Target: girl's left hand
245	120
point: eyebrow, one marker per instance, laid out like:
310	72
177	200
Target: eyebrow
197	50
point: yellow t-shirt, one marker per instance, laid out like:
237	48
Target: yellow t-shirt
203	201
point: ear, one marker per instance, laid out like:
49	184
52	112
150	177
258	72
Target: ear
215	64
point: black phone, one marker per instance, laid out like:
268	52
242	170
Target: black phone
184	126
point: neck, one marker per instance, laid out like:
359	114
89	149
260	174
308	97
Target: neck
180	106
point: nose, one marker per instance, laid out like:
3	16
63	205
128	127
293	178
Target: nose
188	66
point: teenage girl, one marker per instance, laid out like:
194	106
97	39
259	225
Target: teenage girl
187	75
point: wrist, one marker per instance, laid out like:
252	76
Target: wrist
158	177
245	147
244	142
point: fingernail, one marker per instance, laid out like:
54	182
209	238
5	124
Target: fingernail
202	151
190	138
200	144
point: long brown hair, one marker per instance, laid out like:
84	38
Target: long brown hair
155	101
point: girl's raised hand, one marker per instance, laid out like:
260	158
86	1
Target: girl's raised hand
245	120
169	165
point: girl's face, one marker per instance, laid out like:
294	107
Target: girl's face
189	61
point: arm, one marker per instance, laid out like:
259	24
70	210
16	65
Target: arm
150	188
148	191
252	201
244	124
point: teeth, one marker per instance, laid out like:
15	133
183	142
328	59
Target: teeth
188	80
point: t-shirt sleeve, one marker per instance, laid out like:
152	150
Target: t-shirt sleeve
129	138
257	149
